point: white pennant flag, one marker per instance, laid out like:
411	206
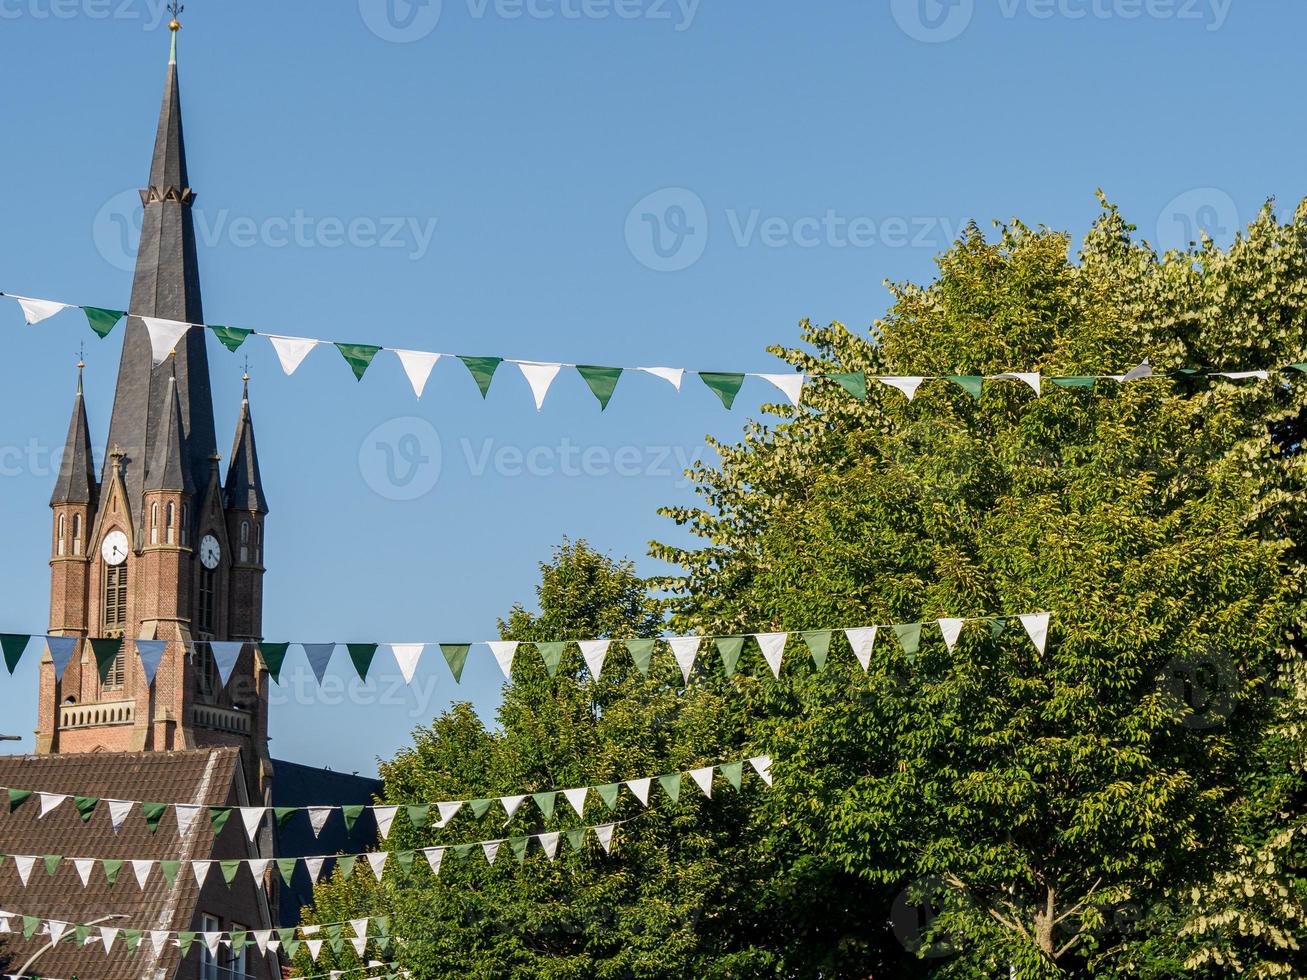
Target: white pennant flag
318	818
640	787
261	937
672	376
434	856
310	930
594	652
703	777
24	863
447	811
952	629
511	803
385	817
762	766
604	835
773	649
201	871
1141	370
1031	378
291	351
315	947
862	640
1243	375
407	656
118	811
790	385
314	867
1036	625
49	803
576	797
107	936
377	859
36	310
360	945
503	651
4	924
417	365
685	649
164	336
259	868
212	942
252	817
491	847
84	868
158	940
549	844
539	376
185	817
360	927
142	871
56	930
908	386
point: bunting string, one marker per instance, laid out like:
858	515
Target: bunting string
602	380
343	973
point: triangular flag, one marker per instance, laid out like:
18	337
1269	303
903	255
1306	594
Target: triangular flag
385	818
641	652
773	649
685	649
417	365
84	868
49	802
539	376
358	357
107	936
118	811
790	385
200	869
640	788
350	814
259	869
552	655
24	863
361	654
170	869
672	376
225	654
546	802
282	815
909	636
153	813
908	386
151	654
728	648
111	867
1141	370
218	816
972	384
230	337
604	834
576	797
480	808
862	639
602	381
724	385
1036	625
186	815
345	863
519	846
594	652
491	849
952	629
482	370
703	778
252	818
61	652
435	855
36	310
360	927
102	321
671	784
549	843
273	656
608	793
419	815
318	818
56	930
447	811
734	773
576	839
377	860
511	803
164	336
762	766
818	643
52	862
1243	375
319	656
1030	378
456	657
313	866
141	869
291	351
13	645
407	656
854	382
86	806
106	652
503	651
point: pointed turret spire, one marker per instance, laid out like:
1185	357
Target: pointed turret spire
77	483
166	471
244	490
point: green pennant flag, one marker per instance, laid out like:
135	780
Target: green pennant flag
52	862
818	642
185	940
729	647
602	381
13	645
641	652
350	814
734	773
997	626
86	806
1300	368
463	851
286	935
480	808
102	321
405	861
552	655
346	865
337	945
358	357
854	382
519	846
724	386
153	813
274	655
482	370
383	923
170	869
229	869
608	793
576	839
230	337
334	930
671	784
456	657
909	635
970	383
238	940
546	801
1073	382
133	939
111	868
282	814
419	815
30	924
218	818
106	652
17	797
81	934
286	868
362	654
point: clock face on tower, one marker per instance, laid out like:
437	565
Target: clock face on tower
114	548
210	552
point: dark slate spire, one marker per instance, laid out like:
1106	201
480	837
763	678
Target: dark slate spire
77	484
166	471
244	490
167	285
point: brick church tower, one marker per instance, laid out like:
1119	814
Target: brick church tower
158	547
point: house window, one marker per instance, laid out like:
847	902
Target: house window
77	534
207	603
59	536
168	523
115	596
239	962
208	965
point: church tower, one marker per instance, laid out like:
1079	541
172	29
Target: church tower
158	548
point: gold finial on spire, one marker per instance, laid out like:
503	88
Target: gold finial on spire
176	10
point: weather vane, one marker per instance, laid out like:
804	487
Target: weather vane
176	9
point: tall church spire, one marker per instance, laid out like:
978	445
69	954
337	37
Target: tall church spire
76	484
244	489
166	285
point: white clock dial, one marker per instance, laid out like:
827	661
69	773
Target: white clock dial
210	551
114	548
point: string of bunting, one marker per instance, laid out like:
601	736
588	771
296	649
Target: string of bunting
600	379
393	971
419	814
685	649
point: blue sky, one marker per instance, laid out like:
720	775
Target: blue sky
487	177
